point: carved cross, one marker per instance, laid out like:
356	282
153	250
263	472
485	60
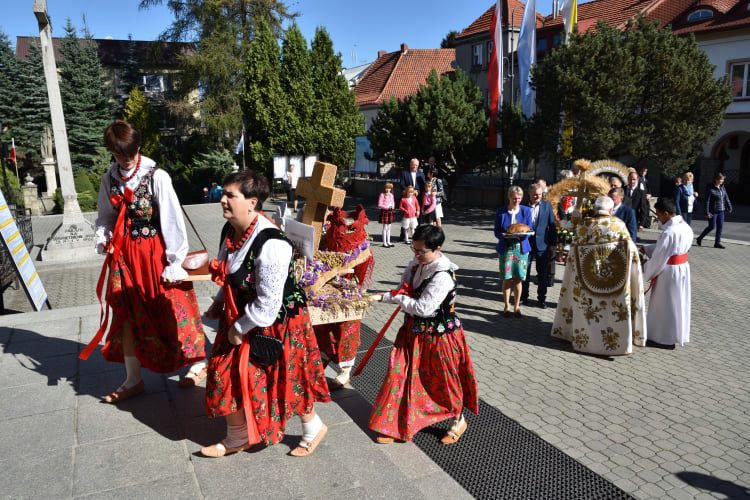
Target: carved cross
319	194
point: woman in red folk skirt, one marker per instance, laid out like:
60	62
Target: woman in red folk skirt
155	318
265	365
430	375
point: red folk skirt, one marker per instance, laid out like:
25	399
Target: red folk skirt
430	378
339	341
290	387
165	320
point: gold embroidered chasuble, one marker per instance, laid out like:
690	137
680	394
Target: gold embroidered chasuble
602	308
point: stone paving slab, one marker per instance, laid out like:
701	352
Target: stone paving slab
659	424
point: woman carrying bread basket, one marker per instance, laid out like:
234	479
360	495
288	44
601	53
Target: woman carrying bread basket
511	223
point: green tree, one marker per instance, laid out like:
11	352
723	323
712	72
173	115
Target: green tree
449	41
445	118
644	95
297	84
10	98
222	31
85	97
266	112
337	119
34	103
129	77
138	113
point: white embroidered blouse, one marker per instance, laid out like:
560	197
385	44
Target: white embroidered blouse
434	293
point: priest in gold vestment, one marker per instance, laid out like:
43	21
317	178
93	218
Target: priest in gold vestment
602	308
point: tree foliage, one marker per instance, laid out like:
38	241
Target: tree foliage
138	113
85	97
445	118
336	117
130	75
33	103
10	77
222	31
297	84
646	94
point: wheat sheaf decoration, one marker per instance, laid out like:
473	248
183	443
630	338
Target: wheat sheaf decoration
582	187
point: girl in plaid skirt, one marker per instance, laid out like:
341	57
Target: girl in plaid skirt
386	204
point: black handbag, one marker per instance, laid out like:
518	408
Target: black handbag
265	350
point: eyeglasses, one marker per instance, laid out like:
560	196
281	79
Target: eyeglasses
424	251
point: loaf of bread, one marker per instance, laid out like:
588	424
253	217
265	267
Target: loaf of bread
518	228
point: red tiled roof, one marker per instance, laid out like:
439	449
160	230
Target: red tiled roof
115	52
482	23
735	17
399	74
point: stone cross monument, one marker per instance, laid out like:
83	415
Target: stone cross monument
75	235
48	162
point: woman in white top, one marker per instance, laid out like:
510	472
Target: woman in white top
292	176
155	318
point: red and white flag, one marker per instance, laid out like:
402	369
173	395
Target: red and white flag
495	76
12	156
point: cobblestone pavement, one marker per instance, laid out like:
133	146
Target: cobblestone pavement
657	423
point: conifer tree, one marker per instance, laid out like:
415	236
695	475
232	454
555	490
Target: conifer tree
10	98
336	119
297	85
85	97
34	103
266	113
130	76
138	113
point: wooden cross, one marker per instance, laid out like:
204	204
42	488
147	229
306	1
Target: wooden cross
319	194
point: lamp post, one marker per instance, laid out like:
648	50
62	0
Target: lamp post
511	51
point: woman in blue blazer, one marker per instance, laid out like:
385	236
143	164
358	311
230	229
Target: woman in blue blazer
513	252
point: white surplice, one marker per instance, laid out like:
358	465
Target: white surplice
668	317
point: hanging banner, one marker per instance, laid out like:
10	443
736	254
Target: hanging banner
19	255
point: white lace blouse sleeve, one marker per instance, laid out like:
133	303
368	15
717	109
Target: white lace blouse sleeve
271	271
172	226
432	296
105	221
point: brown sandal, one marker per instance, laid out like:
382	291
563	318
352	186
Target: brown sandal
192	379
453	435
306	449
121	395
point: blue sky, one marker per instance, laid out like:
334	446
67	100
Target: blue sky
358	28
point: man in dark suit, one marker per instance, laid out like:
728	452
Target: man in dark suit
544	239
623	212
412	177
638	200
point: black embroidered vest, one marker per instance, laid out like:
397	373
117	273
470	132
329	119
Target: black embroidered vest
445	319
142	211
244	279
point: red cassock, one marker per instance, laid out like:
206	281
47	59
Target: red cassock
165	320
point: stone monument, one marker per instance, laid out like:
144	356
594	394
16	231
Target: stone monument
74	239
48	162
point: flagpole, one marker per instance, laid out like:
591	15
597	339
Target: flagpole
244	167
15	160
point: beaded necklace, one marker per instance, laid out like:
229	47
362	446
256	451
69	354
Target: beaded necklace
232	247
135	170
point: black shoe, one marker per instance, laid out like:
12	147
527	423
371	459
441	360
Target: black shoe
698	241
719	245
651	343
542	304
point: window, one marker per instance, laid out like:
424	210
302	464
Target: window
153	83
557	40
476	55
739	80
541	45
488	47
700	15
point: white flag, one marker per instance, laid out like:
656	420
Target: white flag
241	144
527	58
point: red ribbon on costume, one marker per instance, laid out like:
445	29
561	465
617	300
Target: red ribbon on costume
404	290
114	253
218	271
674	260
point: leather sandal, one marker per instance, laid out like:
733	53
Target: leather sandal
219	450
455	433
123	394
305	449
382	439
191	379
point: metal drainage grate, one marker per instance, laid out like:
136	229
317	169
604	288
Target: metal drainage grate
497	457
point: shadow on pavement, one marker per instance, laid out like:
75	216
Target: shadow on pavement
711	483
